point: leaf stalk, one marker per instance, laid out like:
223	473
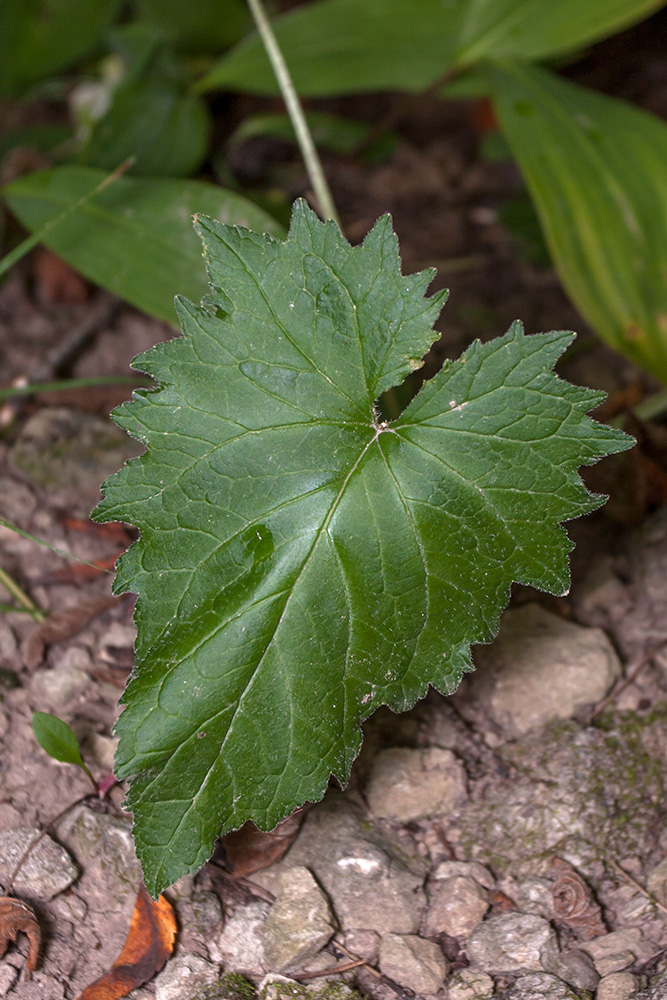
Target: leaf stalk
304	138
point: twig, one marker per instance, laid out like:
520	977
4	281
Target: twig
304	138
398	990
333	970
626	681
10	584
640	888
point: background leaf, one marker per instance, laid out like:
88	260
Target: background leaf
39	38
204	26
300	564
342	46
152	117
56	737
595	168
135	237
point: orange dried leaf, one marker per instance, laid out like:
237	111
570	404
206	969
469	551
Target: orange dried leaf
149	944
16	917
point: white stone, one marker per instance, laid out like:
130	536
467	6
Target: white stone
539	669
240	947
513	941
447	869
657	882
184	977
616	951
66	683
8	976
47	870
457	905
299	923
406	784
618	986
466	984
413	962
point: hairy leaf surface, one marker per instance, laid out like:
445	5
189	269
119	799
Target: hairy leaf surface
301	563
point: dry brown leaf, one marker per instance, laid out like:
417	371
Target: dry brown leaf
573	902
16	917
249	850
501	902
149	944
62	625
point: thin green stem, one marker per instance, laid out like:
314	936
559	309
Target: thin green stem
53	548
308	151
29	242
71	383
10	584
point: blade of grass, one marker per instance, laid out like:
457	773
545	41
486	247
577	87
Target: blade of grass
10	584
29	242
63	385
53	548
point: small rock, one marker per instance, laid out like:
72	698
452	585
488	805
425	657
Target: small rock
47	870
73	907
41	987
184	977
8	646
299	923
513	941
365	872
101	750
277	987
539	669
66	683
457	905
8	976
618	986
407	784
469	985
104	841
534	895
657	882
363	944
59	446
413	962
577	969
240	947
616	951
472	869
540	987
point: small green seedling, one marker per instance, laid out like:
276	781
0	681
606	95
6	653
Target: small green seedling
57	739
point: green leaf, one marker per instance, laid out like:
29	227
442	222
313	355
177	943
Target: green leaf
135	237
300	563
152	116
595	168
343	46
56	737
205	26
41	37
